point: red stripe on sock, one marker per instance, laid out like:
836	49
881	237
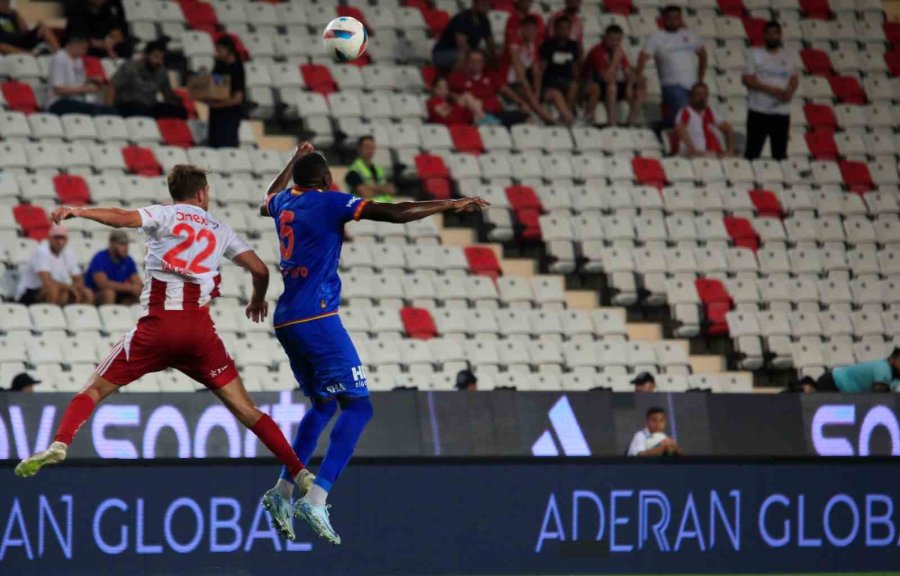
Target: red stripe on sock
270	435
78	411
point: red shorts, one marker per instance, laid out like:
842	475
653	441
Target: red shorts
182	339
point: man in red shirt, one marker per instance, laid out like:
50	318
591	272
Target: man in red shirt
478	91
609	75
572	10
522	10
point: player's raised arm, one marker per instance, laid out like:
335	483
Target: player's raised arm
283	180
409	211
258	308
115	217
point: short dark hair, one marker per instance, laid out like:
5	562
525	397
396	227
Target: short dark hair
561	20
653	410
185	181
670	9
227	43
362	139
155	46
77	37
310	171
895	353
699	85
530	19
614	29
772	24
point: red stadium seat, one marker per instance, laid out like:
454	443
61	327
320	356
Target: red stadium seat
175	132
821	144
33	220
436	20
892	33
466	138
847	90
503	5
816	9
318	78
186	101
19	97
622	7
820	116
856	176
418	323
93	68
741	232
892	59
816	62
756	30
732	8
766	203
141	161
529	228
523	198
483	261
648	172
438	188
716	304
199	15
431	166
71	189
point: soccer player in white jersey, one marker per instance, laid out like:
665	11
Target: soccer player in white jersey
185	245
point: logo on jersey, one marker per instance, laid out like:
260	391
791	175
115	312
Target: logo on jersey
335	388
184	216
353	201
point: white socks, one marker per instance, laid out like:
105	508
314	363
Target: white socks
285	488
317	495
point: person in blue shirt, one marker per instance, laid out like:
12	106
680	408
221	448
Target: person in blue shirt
113	275
874	376
309	220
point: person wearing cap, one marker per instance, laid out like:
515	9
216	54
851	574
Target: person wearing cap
52	275
652	440
466	380
113	274
23	382
644	382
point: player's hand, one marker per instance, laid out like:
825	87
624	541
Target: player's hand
257	311
64	213
470	204
303	148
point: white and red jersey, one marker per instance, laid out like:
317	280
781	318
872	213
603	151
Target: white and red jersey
702	127
185	245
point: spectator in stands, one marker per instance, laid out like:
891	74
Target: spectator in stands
609	76
480	93
225	115
771	79
51	275
653	440
680	60
466	380
558	68
521	12
572	11
874	376
469	30
138	84
694	129
16	37
103	22
644	382
113	275
68	85
367	179
23	382
444	108
522	55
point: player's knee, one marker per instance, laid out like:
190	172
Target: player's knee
361	408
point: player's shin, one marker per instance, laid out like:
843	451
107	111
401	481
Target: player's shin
76	414
355	415
270	435
311	426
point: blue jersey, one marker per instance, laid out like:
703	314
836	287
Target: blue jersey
310	226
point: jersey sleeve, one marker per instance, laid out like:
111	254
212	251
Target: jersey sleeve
340	208
234	244
152	218
273	204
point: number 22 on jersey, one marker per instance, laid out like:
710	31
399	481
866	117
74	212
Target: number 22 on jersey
189	237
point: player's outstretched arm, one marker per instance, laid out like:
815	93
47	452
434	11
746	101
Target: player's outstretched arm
283	179
409	211
258	308
115	217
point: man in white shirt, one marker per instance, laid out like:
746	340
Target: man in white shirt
647	442
680	61
771	79
696	127
67	82
52	274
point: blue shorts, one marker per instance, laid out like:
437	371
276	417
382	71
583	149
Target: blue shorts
323	358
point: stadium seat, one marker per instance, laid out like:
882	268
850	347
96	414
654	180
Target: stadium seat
648	171
820	116
199	15
741	232
466	139
847	90
19	97
856	176
483	261
141	161
816	62
175	132
318	78
821	144
418	323
71	189
33	220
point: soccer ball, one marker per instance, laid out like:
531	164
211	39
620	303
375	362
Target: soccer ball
345	38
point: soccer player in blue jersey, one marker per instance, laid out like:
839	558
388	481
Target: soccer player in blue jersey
309	218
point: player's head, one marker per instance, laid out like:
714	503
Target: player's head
311	172
772	35
528	28
118	244
188	185
155	54
226	50
561	27
77	45
671	17
475	63
699	96
365	148
612	37
656	420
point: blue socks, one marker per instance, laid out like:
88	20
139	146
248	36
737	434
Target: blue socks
312	425
355	414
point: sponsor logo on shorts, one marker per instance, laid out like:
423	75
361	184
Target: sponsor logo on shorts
335	388
217	371
359	376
